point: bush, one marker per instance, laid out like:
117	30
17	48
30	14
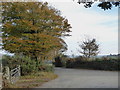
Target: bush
58	62
63	63
98	64
10	61
69	64
49	68
45	67
28	66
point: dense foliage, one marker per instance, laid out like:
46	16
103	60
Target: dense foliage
33	29
103	63
27	64
112	64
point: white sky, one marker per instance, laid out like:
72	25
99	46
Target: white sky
93	22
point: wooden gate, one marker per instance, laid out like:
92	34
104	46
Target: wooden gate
15	74
12	75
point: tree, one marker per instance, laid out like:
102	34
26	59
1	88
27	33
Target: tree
32	28
89	48
106	5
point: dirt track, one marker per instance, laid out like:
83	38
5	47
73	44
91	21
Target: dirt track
82	78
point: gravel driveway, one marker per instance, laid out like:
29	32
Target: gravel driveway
82	78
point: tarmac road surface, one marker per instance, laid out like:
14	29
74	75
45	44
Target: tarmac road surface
83	78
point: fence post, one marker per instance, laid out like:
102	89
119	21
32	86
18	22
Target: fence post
19	70
7	73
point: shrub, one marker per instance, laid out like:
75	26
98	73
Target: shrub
58	62
49	68
63	63
45	67
10	61
98	59
98	64
69	63
28	66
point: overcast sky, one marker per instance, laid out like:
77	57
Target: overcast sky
93	22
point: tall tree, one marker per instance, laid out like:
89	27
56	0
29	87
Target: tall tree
89	48
32	28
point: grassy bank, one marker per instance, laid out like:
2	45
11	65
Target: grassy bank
33	80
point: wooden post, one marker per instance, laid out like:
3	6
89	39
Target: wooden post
7	73
19	70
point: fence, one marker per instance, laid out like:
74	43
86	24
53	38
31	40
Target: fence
15	74
12	75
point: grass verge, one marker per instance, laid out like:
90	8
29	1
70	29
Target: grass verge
33	80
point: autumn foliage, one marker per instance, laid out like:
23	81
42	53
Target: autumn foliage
33	28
